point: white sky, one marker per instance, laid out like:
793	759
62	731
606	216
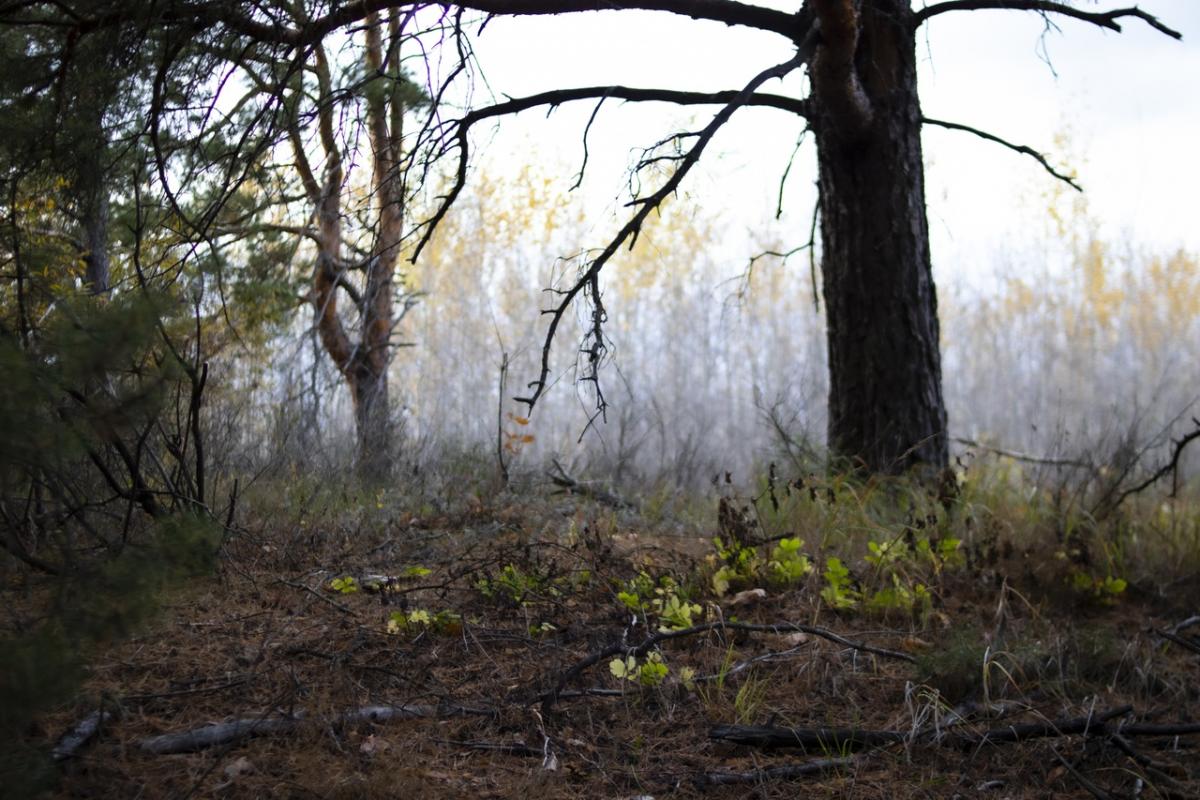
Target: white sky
1130	101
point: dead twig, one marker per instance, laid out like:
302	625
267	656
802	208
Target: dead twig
1092	788
319	596
563	479
1170	468
1186	644
768	737
783	772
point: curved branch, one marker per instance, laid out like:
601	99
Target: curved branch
1018	148
729	12
557	97
1103	19
588	279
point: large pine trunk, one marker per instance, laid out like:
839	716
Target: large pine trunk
373	424
886	411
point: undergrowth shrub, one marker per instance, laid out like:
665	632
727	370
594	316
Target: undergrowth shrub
103	499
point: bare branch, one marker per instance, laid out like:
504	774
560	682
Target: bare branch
589	279
1018	148
730	12
559	96
1104	19
1170	468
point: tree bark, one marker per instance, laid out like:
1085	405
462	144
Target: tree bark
363	362
886	410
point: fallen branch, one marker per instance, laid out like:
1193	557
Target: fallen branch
1092	789
768	737
1091	724
238	730
319	596
1186	644
507	748
602	496
783	772
1025	457
1146	729
550	698
74	740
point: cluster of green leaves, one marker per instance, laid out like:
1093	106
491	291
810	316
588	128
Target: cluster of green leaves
519	586
345	585
664	599
743	565
419	620
901	567
650	672
1104	589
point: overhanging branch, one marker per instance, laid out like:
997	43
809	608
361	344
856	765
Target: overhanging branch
1018	148
589	277
1104	19
557	97
729	12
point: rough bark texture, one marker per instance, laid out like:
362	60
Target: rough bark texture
364	363
886	411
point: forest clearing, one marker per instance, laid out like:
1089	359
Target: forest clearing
409	400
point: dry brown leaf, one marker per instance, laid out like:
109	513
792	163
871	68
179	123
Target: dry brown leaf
372	745
238	767
912	644
748	597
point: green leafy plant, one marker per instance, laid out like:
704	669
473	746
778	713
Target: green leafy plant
541	629
419	619
346	585
637	592
1104	589
516	585
673	613
648	673
788	565
664	599
900	597
839	591
742	564
887	553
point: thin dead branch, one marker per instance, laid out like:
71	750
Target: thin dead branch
1017	148
237	730
563	479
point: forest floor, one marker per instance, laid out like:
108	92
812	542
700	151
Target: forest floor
470	653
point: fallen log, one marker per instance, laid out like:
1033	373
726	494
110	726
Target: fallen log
237	730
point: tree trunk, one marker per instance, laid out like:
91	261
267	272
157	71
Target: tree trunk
886	411
372	423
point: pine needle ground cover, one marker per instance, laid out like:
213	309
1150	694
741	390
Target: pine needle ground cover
837	638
